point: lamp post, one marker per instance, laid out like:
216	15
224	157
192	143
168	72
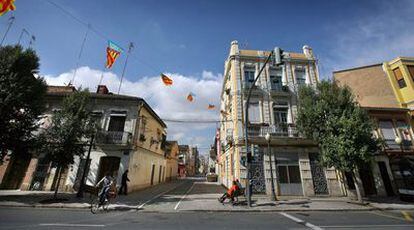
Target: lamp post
272	183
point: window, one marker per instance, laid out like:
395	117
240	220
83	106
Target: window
116	123
399	77
276	80
411	70
388	134
280	115
289	174
404	132
300	77
254	113
249	77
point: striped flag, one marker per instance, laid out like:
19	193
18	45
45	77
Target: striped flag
112	53
6	5
166	80
210	106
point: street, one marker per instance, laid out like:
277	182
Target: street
23	218
167	207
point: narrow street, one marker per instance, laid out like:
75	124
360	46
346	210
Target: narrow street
174	206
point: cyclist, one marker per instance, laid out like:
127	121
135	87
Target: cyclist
106	182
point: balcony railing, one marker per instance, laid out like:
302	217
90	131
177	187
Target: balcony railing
392	145
279	88
284	130
113	137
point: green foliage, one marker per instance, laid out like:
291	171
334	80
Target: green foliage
70	129
330	116
21	99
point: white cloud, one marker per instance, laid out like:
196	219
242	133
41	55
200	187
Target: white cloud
373	38
169	102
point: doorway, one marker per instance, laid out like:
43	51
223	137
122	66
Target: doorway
367	179
385	178
152	174
320	185
108	165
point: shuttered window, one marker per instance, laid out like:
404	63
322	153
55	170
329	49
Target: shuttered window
399	77
411	71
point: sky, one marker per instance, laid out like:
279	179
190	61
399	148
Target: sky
190	40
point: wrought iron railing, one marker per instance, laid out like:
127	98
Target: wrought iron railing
113	137
392	145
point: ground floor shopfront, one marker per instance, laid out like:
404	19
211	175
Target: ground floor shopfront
296	171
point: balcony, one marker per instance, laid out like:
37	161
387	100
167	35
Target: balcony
392	145
113	137
284	130
278	88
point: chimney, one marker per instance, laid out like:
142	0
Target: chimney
234	48
307	50
102	89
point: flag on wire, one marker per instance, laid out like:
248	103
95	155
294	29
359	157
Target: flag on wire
112	53
190	97
210	106
166	80
6	5
224	113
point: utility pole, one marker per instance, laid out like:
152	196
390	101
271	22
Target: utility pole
85	168
246	138
130	47
11	20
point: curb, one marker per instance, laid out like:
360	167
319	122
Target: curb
116	208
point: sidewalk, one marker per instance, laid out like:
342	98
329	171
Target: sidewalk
201	197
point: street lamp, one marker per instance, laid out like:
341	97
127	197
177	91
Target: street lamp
272	183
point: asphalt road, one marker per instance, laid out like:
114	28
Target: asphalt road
25	218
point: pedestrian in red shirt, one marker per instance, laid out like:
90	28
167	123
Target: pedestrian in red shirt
230	193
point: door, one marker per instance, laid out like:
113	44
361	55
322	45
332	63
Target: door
108	165
385	178
40	174
288	170
320	185
367	179
152	174
160	175
116	123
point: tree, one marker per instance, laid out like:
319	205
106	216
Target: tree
343	130
22	101
68	132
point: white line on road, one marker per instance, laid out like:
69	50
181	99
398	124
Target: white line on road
299	221
182	198
73	225
370	226
157	196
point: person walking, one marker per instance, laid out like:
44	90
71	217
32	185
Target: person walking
124	185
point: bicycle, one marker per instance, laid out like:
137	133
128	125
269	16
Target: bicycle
96	204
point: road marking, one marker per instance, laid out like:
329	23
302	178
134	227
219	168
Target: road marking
182	198
407	216
369	226
159	195
72	225
385	215
299	221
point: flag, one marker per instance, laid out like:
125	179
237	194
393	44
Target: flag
6	5
112	53
167	81
190	97
224	113
210	106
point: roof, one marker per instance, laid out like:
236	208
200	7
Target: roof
358	67
63	91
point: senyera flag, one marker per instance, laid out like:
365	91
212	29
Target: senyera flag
6	5
210	106
112	53
166	80
190	97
